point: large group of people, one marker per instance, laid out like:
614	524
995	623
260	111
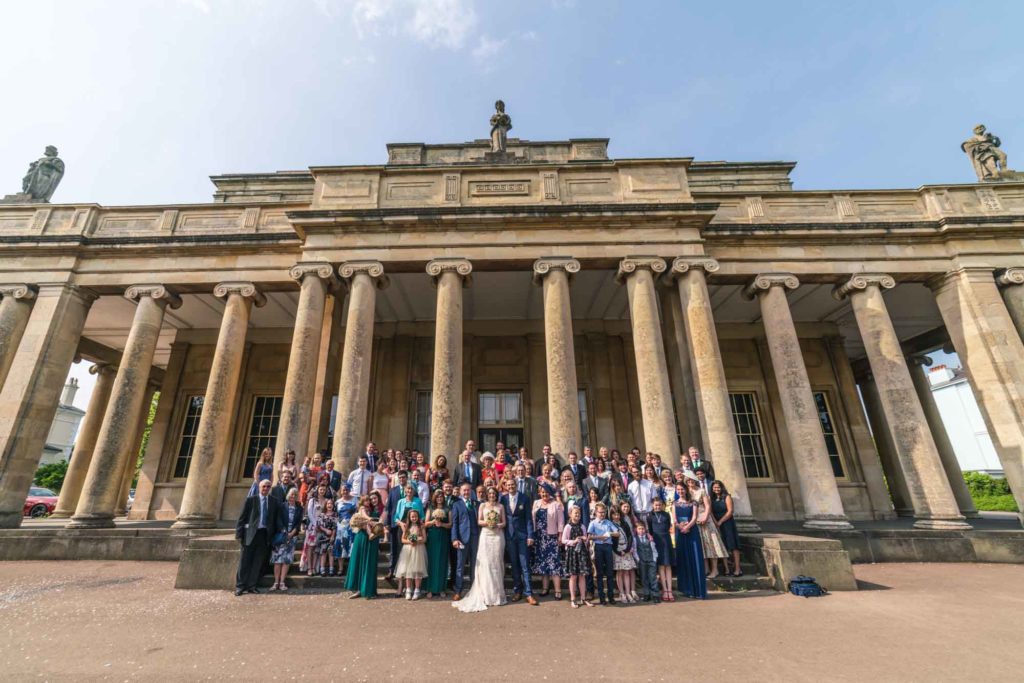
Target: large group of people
615	528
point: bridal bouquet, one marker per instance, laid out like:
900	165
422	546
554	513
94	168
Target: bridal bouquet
492	518
437	515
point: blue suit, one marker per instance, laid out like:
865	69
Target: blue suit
518	529
465	530
394	531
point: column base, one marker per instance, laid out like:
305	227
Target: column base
747	525
828	523
11	520
954	524
102	522
60	514
195	523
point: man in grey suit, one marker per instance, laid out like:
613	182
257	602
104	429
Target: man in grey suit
262	517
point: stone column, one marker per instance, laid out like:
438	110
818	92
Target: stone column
131	463
449	276
988	343
673	329
213	436
14	311
315	280
947	454
85	442
639	275
554	275
882	435
117	434
28	401
712	394
823	508
1011	286
363	278
927	484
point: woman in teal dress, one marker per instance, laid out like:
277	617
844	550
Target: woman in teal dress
362	565
690	572
439	544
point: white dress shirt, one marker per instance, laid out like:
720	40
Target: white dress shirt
423	489
641	492
360	482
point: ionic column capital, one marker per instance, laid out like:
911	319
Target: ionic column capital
18	291
765	281
373	269
102	369
246	290
460	266
860	282
918	359
629	265
320	269
157	292
543	266
1010	277
683	264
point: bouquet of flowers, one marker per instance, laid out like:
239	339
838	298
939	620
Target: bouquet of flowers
492	518
438	515
359	520
376	530
414	537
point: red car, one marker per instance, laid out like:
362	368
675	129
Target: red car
40	502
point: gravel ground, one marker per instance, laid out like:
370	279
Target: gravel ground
123	621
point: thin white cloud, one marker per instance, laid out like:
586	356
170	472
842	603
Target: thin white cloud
487	48
200	5
437	23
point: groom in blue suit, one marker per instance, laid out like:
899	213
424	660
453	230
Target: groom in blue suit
465	536
519	538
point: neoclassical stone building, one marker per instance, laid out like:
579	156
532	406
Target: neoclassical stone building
539	292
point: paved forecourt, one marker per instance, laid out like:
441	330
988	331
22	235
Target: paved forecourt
124	621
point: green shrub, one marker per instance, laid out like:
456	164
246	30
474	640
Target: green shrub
990	493
51	476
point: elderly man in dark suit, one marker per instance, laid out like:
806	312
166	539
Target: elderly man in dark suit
467	472
333	477
262	517
465	536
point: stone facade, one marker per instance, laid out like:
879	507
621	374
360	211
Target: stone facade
549	295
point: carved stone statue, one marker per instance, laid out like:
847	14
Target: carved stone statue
983	149
501	124
41	180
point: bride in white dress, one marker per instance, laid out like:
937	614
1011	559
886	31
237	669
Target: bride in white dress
489	573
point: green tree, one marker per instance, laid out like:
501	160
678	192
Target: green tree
51	476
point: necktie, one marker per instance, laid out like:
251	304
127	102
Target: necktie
263	512
520	488
468	476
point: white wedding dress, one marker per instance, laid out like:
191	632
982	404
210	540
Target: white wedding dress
488	575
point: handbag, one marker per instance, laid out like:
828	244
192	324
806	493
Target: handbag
806	587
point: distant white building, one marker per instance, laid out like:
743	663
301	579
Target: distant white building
61	439
963	421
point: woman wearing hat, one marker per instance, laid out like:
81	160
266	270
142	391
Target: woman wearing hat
548	522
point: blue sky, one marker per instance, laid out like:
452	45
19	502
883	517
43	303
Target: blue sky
146	99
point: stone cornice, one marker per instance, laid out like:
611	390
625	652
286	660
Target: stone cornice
246	290
543	266
321	269
1010	277
460	266
18	291
158	292
629	265
373	269
861	282
765	281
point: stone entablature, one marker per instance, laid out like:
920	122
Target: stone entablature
523	151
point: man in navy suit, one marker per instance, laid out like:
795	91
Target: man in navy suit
465	536
333	477
396	494
577	469
518	539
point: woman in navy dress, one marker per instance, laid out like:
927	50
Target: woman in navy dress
660	524
264	470
722	511
690	571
